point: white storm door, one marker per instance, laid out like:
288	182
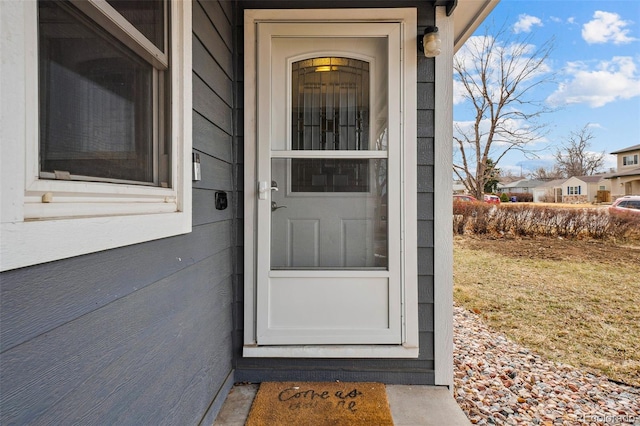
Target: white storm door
328	180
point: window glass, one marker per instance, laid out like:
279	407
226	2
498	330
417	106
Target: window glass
329	175
96	101
330	104
630	160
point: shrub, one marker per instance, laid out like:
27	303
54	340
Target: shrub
548	198
531	221
504	198
521	197
472	215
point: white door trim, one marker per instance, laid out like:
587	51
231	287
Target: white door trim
407	17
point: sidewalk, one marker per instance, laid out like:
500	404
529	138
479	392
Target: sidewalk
410	406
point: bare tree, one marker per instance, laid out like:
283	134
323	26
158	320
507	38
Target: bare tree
546	173
496	75
575	159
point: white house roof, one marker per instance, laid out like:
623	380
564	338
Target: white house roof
556	183
522	183
590	179
631	172
631	148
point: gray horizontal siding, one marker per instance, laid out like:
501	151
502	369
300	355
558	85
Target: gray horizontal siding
129	361
211	140
211	106
140	334
213	101
210	36
41	298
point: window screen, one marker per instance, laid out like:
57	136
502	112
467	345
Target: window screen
98	99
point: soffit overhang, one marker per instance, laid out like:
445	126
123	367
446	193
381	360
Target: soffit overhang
467	16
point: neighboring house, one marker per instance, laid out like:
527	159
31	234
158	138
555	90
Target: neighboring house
548	192
147	260
458	187
626	180
521	186
583	189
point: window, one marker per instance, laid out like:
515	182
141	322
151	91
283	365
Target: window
630	160
573	190
101	98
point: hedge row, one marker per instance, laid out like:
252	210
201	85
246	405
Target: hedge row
521	197
531	221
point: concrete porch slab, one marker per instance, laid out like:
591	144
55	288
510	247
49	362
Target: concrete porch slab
410	406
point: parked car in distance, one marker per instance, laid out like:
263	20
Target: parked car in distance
464	198
626	204
491	199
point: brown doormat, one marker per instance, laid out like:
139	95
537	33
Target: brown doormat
320	404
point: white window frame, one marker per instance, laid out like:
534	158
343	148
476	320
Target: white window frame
46	220
409	347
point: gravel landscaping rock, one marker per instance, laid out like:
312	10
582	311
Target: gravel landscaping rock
500	382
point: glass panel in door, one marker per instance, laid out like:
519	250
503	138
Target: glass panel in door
331	212
330	104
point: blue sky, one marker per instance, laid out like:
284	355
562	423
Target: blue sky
597	64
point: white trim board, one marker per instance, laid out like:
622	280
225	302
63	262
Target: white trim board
44	220
331	351
443	235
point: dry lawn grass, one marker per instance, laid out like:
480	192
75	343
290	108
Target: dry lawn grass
576	302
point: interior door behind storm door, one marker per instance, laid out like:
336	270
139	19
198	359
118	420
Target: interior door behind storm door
328	167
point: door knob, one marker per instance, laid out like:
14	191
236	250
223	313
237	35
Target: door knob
275	206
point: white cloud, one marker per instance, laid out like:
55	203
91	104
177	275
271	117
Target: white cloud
525	23
571	20
458	92
556	19
595	126
609	82
610	162
606	27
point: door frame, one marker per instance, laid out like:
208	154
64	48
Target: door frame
407	20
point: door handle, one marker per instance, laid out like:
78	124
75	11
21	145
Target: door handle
264	188
275	206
